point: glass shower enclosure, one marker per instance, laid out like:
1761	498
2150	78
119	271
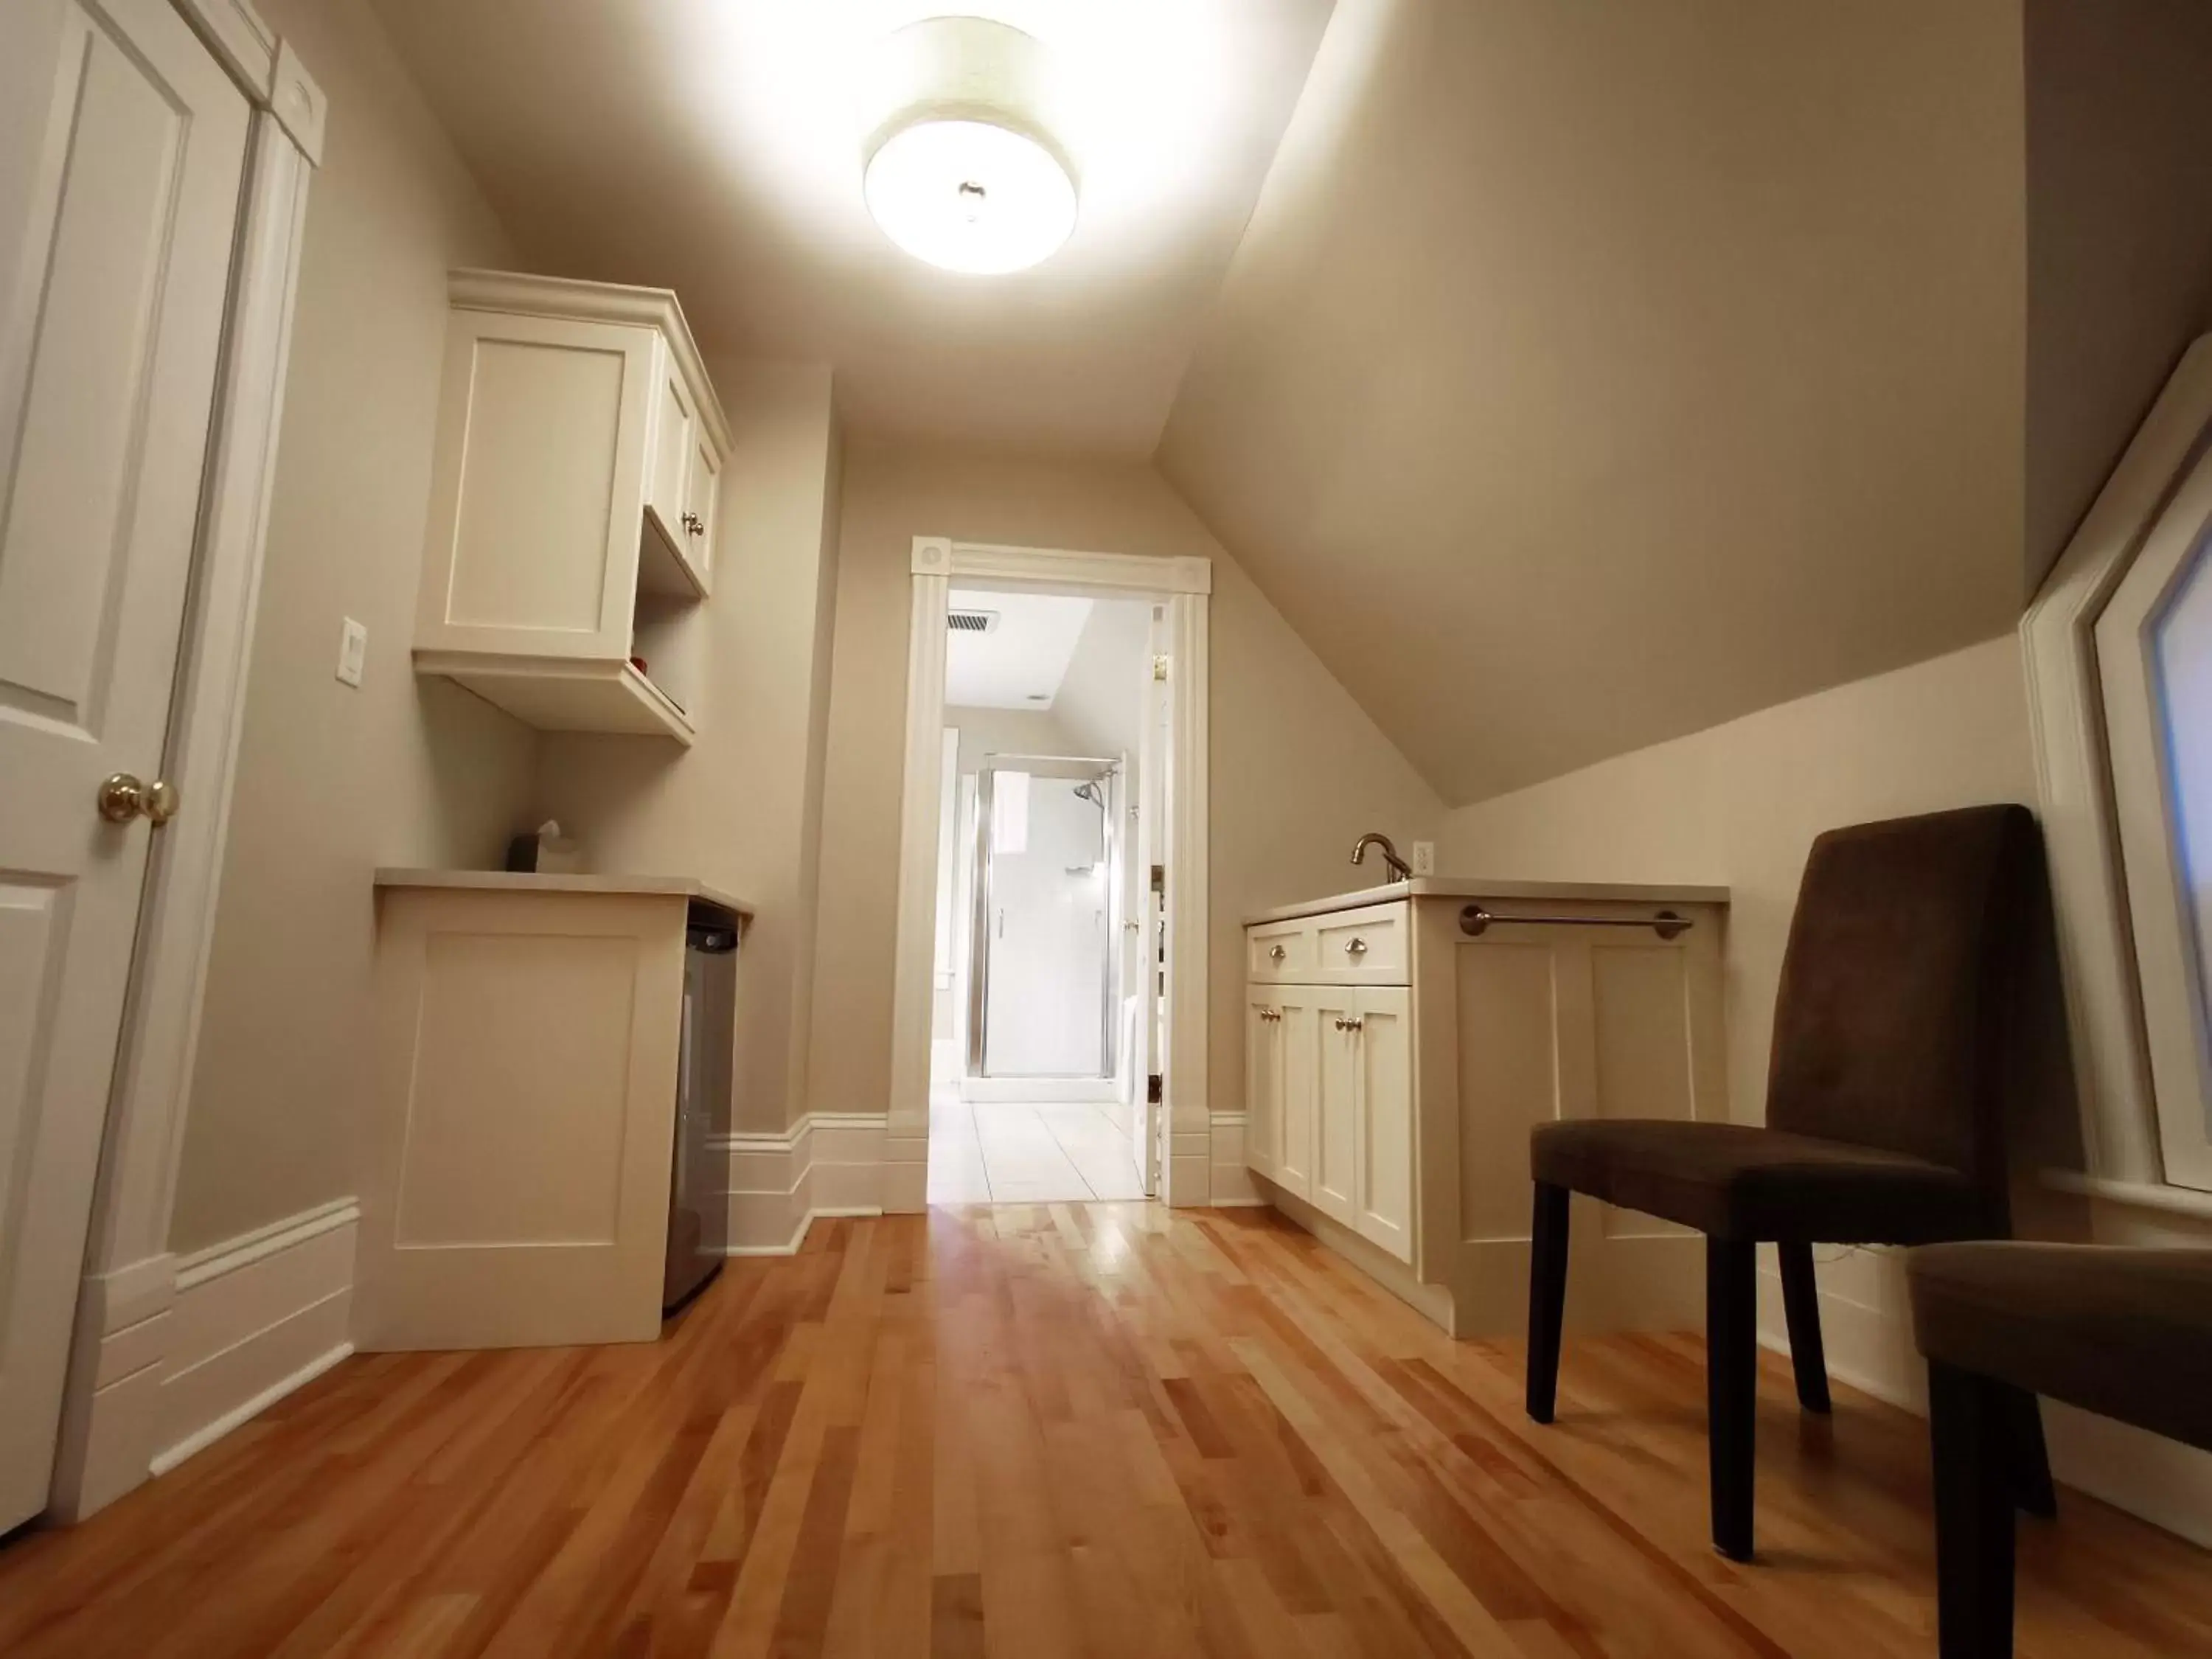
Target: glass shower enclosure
1045	936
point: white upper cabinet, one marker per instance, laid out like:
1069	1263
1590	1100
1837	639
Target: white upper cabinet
579	447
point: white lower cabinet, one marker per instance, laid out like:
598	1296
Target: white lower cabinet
1399	1055
1329	1103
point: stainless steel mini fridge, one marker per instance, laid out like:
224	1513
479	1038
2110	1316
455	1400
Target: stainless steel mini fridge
698	1186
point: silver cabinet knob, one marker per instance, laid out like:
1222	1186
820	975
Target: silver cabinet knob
694	525
1345	1025
123	797
1277	953
1355	947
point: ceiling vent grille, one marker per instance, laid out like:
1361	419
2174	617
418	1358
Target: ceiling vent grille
971	622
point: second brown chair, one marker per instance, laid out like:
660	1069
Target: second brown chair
1895	1049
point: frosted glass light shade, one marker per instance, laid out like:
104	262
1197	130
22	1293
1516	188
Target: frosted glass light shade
968	195
962	167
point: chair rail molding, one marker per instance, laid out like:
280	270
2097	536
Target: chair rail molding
2073	761
110	1420
1183	586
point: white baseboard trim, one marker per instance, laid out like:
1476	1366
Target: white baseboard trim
827	1164
255	1317
237	1416
1230	1184
1867	1340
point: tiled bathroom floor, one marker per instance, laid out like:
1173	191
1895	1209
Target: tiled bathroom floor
1062	1152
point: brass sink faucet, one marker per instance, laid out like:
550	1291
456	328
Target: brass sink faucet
1399	870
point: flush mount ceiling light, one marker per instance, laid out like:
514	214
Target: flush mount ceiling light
962	170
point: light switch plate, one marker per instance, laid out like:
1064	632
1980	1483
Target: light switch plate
353	651
1425	858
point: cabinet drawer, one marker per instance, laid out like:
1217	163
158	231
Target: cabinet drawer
1371	946
1368	946
1280	952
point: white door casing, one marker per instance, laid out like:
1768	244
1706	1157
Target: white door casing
1182	586
117	220
1145	907
2091	718
2154	656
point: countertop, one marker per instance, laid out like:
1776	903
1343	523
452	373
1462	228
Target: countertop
511	881
1472	887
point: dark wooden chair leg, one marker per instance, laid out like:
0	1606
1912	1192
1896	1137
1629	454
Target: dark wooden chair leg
1547	1297
2030	1461
1801	1304
1969	1423
1732	1387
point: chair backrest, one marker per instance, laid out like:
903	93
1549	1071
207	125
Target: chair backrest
1898	1023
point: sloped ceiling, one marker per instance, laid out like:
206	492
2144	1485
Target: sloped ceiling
1590	373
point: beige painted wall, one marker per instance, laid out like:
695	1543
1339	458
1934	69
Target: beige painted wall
1102	696
1297	770
332	781
740	808
1740	804
2119	236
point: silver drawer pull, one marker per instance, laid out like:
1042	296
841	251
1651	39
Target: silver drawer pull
1276	953
1343	1024
1355	947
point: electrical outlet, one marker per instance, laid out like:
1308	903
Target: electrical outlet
353	651
1425	858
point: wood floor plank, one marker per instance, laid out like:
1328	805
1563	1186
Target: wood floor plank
1106	1430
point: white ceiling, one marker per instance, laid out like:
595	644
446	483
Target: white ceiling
712	146
1020	663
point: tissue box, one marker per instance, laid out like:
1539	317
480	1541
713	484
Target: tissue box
544	854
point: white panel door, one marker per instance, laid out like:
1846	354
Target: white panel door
1336	1076
1299	1093
675	432
120	173
1263	1081
703	495
1384	1041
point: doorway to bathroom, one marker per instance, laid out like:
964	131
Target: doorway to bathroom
1047	979
1159	1047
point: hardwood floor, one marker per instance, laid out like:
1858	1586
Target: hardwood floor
1048	1431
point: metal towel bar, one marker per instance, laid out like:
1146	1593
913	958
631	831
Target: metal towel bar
1474	921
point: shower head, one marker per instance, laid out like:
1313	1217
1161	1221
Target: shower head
1091	792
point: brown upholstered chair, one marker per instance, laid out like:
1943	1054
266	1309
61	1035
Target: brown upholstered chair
1895	1050
2123	1333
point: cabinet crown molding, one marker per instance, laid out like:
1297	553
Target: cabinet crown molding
522	294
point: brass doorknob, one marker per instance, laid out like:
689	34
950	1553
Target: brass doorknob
123	797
